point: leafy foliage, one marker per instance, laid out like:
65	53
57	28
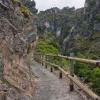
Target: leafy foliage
95	79
30	4
16	2
85	37
25	11
82	71
46	48
89	76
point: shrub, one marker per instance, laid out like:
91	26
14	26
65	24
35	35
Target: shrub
96	80
46	48
25	11
83	71
16	2
91	77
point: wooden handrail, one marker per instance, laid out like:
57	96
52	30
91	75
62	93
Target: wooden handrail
87	61
81	60
72	78
78	83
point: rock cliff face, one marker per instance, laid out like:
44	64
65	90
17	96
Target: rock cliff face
89	29
79	29
17	24
57	21
30	5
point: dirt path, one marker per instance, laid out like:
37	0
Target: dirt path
50	87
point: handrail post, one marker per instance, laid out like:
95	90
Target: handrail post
39	60
51	60
60	74
42	60
71	72
35	57
46	61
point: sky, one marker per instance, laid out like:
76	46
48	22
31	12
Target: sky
46	4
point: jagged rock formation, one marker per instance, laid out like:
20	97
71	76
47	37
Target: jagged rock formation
30	5
79	29
17	24
90	28
57	21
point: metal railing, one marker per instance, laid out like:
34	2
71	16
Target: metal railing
48	59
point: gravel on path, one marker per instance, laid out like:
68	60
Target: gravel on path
50	87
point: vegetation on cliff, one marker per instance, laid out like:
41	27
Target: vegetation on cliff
78	31
17	25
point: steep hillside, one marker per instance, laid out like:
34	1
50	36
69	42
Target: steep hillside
57	21
30	4
17	39
76	30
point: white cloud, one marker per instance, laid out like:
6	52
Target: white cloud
45	4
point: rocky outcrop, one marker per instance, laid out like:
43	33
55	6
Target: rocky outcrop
16	25
77	27
57	21
90	24
30	4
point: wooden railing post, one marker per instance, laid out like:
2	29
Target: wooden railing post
42	60
51	69
60	73
46	61
38	60
51	61
71	73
